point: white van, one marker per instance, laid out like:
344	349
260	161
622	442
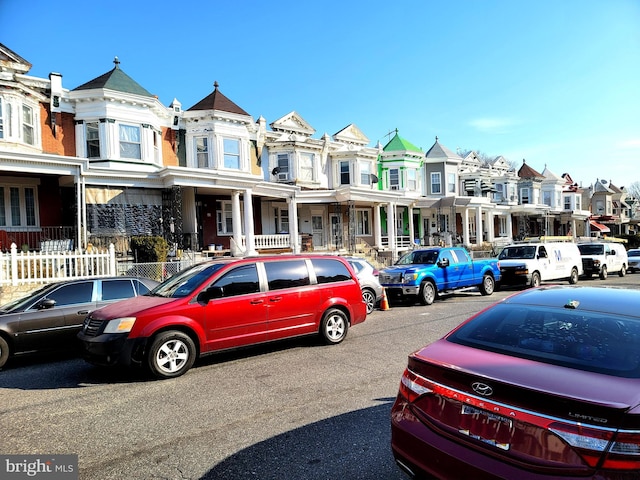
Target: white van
602	258
533	263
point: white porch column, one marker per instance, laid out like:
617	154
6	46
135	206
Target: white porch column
293	224
573	228
479	231
391	229
236	222
465	228
490	226
249	233
377	226
509	226
411	234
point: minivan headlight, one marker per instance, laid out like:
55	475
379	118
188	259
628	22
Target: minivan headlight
120	325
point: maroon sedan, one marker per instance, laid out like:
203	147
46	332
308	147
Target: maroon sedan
544	384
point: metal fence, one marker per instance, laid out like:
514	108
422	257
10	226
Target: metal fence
159	271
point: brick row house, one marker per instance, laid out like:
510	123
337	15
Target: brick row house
106	160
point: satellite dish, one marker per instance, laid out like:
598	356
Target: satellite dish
374	178
275	171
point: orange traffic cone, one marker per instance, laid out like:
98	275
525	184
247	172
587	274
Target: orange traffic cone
384	303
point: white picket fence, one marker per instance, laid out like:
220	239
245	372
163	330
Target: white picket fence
20	268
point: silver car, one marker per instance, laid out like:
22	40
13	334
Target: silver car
634	259
368	277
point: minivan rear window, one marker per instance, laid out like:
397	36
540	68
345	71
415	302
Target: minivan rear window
329	270
590	341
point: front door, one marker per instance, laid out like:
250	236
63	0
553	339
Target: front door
336	230
317	225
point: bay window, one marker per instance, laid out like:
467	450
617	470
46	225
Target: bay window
436	183
92	134
202	152
344	173
365	173
231	147
28	127
130	143
306	167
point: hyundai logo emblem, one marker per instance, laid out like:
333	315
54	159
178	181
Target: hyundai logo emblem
482	389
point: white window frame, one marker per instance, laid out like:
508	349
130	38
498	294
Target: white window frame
201	148
412	179
306	171
365	173
547	198
28	125
567	202
451	183
498	195
282	220
91	140
224	218
24	211
232	159
344	174
394	179
2	122
436	183
135	145
524	194
283	163
363	222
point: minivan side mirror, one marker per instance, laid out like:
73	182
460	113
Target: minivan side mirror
210	293
443	263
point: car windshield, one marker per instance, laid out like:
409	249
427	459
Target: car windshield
587	249
591	341
519	252
184	283
427	257
22	302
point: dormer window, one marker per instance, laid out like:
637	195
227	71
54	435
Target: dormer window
130	146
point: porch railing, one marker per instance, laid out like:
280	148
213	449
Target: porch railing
18	267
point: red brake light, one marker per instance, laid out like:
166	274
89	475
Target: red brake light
412	385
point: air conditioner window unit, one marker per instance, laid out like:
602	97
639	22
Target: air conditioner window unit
283	176
395	187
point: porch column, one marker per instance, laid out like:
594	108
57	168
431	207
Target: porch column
249	233
377	240
391	229
479	231
411	234
465	228
83	195
509	226
236	222
293	224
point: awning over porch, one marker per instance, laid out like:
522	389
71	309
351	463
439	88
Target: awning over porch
599	227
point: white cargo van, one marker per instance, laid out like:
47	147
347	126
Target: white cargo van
533	263
602	258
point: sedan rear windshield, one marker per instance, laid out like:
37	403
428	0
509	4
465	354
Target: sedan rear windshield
590	341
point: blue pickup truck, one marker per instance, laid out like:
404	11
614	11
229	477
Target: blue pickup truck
423	274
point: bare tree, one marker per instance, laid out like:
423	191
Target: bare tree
633	190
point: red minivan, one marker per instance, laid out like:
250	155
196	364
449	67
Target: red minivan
226	304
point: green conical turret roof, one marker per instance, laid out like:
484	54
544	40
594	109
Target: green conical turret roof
116	80
397	143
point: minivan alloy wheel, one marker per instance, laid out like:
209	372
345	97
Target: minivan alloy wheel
334	326
171	354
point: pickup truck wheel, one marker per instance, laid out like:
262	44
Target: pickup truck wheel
535	279
603	273
623	270
488	285
171	354
573	278
427	293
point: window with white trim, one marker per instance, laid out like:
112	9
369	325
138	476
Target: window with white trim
451	183
92	134
28	125
202	152
436	183
224	218
365	173
283	167
578	202
282	220
345	178
1	120
18	206
498	195
567	202
546	198
363	222
231	147
306	167
130	142
411	179
524	196
394	179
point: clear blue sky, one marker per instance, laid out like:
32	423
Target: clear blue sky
556	82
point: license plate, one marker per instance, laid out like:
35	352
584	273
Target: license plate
485	426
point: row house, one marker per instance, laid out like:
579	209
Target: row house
106	160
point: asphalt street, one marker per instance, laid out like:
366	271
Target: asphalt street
290	410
